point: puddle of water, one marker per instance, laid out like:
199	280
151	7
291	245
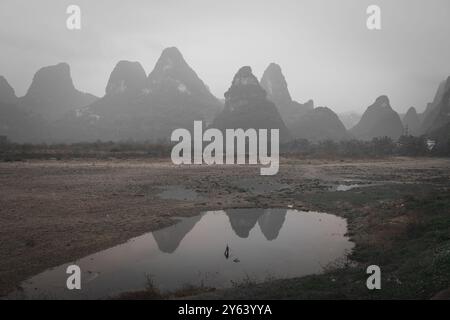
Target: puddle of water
343	187
213	249
347	187
178	193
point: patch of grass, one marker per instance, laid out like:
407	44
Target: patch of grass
152	292
404	229
245	282
189	290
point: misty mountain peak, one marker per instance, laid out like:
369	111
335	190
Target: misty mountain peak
246	106
172	53
317	124
379	120
274	82
171	58
411	121
273	70
245	77
7	94
50	79
443	87
383	102
245	86
439	115
173	75
274	67
446	87
52	93
431	114
127	76
309	104
411	111
172	96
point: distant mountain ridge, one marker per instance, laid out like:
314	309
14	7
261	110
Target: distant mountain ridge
302	120
139	107
438	112
15	123
247	106
7	94
274	83
379	120
411	122
318	124
127	77
437	98
349	119
52	93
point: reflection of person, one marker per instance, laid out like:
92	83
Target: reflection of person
227	255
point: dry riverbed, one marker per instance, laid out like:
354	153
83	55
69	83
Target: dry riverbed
53	212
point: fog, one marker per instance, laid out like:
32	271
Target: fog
326	51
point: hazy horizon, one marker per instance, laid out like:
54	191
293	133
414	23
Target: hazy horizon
324	48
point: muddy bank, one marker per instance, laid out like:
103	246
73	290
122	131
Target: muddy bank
52	212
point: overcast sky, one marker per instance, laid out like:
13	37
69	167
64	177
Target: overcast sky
323	46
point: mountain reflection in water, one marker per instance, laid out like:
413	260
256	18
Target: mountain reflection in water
168	239
242	221
270	221
213	249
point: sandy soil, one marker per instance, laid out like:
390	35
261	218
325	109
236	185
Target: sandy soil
53	212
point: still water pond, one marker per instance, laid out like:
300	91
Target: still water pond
215	249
